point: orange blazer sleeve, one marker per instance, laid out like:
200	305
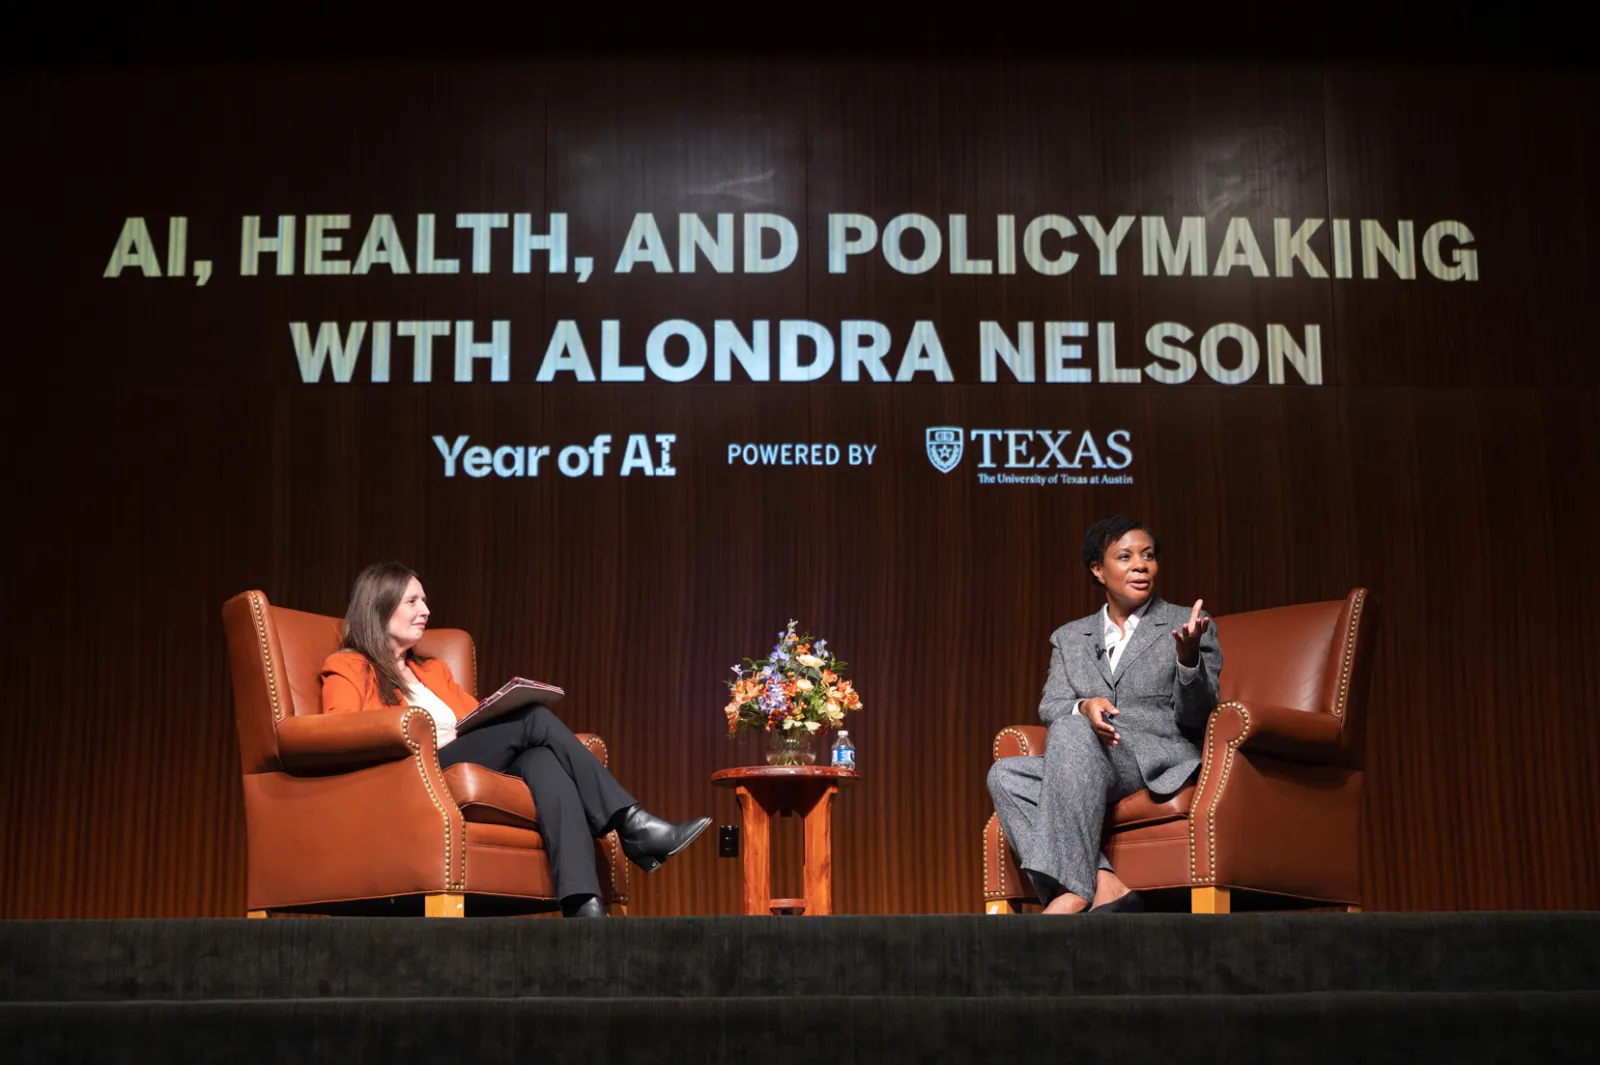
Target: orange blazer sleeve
348	684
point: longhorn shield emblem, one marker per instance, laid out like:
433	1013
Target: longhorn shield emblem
944	447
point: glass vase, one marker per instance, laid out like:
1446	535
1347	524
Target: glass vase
791	746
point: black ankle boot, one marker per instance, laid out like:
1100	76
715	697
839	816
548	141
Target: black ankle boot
589	907
648	841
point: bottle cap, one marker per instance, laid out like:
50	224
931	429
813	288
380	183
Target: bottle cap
844	732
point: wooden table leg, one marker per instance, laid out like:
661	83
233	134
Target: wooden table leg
757	847
819	855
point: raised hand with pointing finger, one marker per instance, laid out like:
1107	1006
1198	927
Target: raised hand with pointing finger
1188	636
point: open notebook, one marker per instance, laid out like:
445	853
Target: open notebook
513	695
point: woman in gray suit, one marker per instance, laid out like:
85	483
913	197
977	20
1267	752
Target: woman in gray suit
1129	691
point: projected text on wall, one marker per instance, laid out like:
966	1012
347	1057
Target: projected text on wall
1045	347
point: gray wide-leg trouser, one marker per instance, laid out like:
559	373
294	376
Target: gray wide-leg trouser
1053	807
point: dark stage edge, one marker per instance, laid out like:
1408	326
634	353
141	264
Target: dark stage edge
1282	987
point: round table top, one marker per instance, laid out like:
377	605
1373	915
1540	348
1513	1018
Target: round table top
739	774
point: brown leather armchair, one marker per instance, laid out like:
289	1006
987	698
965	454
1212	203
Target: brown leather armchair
350	807
1276	807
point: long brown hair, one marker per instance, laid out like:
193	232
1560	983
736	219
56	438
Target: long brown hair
377	593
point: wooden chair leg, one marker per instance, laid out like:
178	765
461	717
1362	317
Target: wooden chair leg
1210	900
996	907
617	909
444	904
1352	909
255	914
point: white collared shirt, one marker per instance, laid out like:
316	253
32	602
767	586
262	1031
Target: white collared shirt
1117	639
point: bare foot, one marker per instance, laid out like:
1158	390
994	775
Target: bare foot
1108	887
1066	902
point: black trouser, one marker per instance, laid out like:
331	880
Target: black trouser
575	797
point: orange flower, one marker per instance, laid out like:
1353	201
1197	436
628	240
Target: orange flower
828	676
804	649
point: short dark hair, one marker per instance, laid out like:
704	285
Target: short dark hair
1102	534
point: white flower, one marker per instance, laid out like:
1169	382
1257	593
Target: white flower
812	726
810	661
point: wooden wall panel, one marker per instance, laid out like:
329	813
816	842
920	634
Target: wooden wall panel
163	455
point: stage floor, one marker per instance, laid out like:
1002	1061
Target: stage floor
1162	987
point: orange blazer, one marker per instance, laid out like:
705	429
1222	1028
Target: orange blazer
348	683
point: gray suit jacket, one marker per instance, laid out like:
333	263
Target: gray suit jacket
1155	705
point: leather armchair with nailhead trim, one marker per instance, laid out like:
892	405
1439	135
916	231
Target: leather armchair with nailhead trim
345	809
1276	806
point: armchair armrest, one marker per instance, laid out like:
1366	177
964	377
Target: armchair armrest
1303	735
1014	740
596	745
361	738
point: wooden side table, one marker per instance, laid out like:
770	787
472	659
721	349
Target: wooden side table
768	791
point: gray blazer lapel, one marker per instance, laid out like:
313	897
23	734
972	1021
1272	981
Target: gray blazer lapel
1094	645
1152	625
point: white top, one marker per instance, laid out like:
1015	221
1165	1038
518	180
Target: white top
444	718
1117	639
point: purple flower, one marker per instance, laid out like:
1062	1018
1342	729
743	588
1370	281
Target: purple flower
773	698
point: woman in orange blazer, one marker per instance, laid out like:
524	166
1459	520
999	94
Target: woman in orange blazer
577	798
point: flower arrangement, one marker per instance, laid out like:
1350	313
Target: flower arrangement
796	687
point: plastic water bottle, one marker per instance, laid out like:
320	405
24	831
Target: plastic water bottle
844	752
